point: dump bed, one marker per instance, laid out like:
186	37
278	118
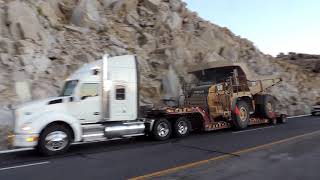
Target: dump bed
219	71
261	85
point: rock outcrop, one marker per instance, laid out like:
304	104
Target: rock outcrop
309	62
42	42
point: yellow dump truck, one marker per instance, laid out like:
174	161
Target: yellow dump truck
225	95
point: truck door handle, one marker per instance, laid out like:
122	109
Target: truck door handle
96	113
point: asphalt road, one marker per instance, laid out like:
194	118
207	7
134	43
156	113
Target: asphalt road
296	159
137	157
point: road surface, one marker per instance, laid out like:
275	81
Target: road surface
143	158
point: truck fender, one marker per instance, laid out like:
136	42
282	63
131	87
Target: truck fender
44	120
234	108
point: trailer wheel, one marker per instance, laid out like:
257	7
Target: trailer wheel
241	116
267	108
182	127
282	119
273	121
162	129
54	140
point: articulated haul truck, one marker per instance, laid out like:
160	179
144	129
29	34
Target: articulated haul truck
100	101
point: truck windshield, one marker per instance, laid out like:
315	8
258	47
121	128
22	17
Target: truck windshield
69	87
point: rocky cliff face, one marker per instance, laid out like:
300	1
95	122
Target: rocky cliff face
308	62
42	42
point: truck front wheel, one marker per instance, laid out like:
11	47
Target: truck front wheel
162	129
241	115
54	140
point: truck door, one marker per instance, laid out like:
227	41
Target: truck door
87	108
120	104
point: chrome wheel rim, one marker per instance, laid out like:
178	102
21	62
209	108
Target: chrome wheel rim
182	127
163	129
56	141
243	114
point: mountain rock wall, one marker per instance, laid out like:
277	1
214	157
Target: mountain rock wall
43	41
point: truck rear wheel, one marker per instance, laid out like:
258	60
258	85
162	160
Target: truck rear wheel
162	129
241	115
182	127
282	119
267	107
54	140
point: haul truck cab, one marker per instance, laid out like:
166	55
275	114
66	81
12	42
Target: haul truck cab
100	101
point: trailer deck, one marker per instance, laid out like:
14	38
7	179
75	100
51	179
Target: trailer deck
208	123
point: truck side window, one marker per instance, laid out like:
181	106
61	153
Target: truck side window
120	93
89	90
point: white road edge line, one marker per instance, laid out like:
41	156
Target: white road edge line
256	129
299	116
75	143
25	165
15	150
28	149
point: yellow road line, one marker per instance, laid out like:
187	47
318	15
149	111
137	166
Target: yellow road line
198	163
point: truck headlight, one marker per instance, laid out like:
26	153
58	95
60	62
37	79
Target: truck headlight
26	127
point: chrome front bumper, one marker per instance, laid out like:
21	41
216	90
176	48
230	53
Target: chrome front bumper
22	140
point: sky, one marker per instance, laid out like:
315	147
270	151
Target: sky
274	26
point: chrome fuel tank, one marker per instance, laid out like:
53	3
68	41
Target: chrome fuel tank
125	129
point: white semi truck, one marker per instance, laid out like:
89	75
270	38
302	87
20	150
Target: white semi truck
100	101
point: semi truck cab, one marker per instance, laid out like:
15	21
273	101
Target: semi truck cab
101	92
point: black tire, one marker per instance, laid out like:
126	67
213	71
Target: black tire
314	113
241	120
43	144
161	134
273	121
182	127
282	119
266	108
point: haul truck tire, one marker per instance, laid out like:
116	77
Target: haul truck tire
161	129
241	115
182	127
54	140
267	107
